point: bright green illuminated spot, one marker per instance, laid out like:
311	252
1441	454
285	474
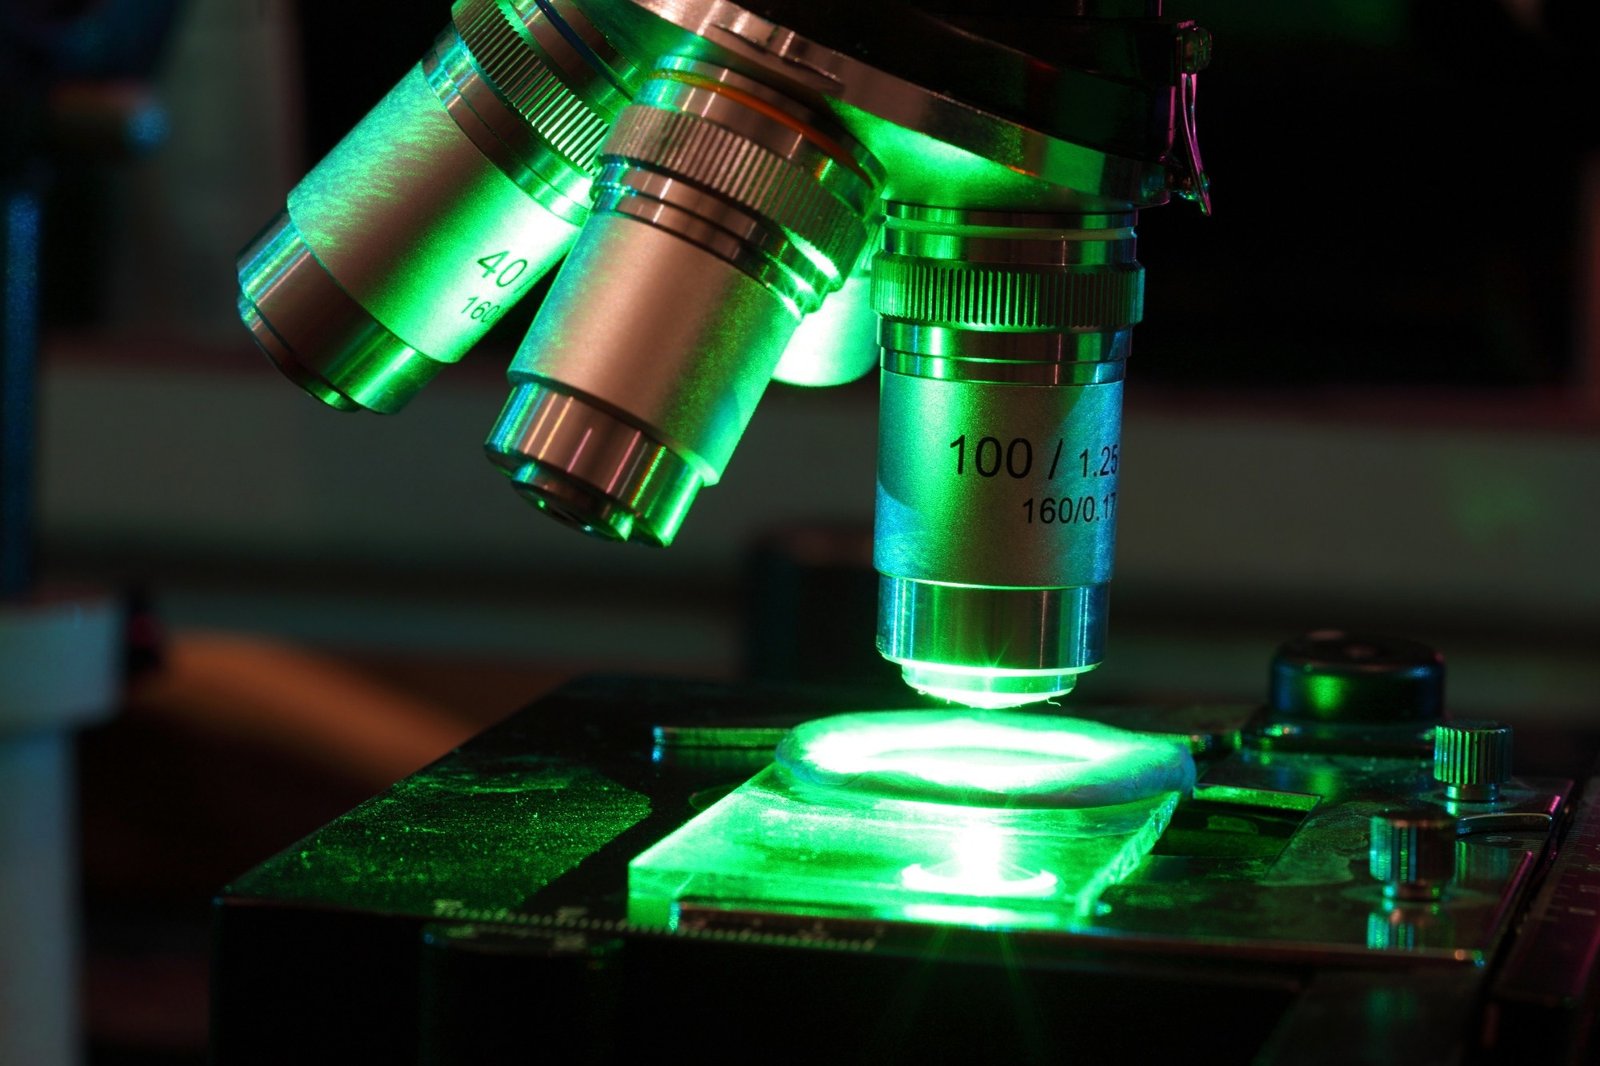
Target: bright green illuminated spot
981	759
979	866
836	343
987	698
988	686
979	818
997	754
770	847
814	255
1326	693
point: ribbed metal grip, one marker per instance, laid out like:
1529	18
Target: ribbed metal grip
1472	759
503	51
1413	851
795	194
990	296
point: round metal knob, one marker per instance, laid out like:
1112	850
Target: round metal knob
1413	852
1330	675
1472	759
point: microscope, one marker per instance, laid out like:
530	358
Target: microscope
735	194
713	176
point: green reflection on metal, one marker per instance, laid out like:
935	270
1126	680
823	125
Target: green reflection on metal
988	699
474	832
1258	797
836	343
1410	927
989	687
1326	694
439	238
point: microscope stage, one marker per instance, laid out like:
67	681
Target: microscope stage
627	851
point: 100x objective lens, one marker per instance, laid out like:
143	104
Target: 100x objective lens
1004	343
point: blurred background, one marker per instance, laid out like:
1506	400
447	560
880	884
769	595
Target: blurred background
1366	394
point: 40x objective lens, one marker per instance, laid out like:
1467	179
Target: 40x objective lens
1004	342
464	186
724	212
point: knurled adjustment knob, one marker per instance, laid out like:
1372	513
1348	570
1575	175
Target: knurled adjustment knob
1413	852
1472	759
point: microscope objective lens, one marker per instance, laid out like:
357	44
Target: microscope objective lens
730	197
437	213
1004	339
724	212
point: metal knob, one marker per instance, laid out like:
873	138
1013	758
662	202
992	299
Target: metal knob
1330	675
1413	852
1472	759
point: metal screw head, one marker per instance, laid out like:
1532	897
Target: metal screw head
1413	851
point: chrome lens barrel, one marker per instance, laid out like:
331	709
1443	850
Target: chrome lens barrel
1004	340
724	211
712	215
464	186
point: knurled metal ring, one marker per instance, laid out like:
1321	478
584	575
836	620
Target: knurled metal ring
569	126
985	296
761	181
